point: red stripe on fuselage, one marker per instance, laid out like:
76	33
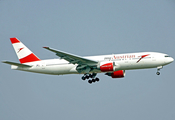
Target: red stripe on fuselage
29	58
14	40
142	57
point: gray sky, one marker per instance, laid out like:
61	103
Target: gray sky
87	28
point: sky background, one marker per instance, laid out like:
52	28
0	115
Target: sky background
93	27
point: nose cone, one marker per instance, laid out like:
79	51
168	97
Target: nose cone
171	59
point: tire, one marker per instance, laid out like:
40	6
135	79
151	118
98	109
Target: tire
93	80
83	78
158	73
97	79
90	81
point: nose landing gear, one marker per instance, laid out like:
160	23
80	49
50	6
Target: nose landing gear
87	76
158	69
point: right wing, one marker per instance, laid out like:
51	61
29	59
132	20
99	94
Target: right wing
16	64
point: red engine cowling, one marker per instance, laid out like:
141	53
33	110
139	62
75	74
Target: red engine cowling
117	74
107	67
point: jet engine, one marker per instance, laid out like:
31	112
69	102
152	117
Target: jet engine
106	66
117	74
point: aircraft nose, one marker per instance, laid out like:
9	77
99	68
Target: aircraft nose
171	59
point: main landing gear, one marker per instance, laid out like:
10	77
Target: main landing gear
93	80
158	69
87	76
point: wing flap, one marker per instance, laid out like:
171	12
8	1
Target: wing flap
16	64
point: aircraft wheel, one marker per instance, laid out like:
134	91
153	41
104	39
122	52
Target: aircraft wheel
97	79
83	78
90	76
158	73
93	80
87	77
90	81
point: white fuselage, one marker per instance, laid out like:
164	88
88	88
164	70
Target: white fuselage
127	61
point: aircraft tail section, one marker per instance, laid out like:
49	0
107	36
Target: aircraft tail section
23	53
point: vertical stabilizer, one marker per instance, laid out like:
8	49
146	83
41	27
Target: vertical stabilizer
23	53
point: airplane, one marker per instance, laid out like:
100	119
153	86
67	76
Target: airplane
113	65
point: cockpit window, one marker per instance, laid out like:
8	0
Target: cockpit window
167	56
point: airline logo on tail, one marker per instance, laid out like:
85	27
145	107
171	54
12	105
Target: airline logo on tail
20	49
23	53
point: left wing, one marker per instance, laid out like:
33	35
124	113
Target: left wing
73	59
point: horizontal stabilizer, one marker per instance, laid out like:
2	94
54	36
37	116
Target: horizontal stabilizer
16	64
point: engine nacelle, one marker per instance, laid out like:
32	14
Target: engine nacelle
117	74
106	66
